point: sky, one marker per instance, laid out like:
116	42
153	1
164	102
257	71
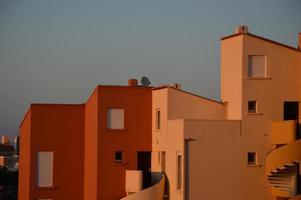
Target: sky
57	51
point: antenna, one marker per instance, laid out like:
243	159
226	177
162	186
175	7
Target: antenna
145	81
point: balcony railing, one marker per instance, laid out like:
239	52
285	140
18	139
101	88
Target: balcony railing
283	132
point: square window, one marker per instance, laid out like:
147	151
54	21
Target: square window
115	119
252	158
158	119
257	66
118	156
252	106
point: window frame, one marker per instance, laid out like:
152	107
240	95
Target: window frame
256	107
110	120
122	156
179	172
250	68
158	119
37	174
254	154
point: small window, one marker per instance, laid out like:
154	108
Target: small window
257	66
118	156
115	119
252	158
252	106
179	172
158	119
44	168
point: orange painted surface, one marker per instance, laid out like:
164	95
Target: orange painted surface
57	128
24	160
91	155
136	136
84	149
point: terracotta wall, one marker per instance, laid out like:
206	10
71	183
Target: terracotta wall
91	147
136	136
24	158
57	128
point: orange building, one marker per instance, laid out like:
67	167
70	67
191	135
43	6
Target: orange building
82	151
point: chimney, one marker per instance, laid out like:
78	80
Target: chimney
241	29
176	85
133	82
299	41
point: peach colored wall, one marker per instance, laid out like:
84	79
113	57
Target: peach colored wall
91	147
231	76
283	84
24	159
214	162
57	128
187	106
155	192
173	104
136	136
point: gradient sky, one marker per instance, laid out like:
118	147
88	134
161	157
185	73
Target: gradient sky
57	51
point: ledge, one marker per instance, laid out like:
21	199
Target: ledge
45	188
258	113
116	130
257	165
258	78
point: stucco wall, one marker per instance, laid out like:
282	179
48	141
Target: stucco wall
231	76
213	160
60	129
91	148
136	136
24	159
282	84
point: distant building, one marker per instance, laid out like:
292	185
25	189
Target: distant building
8	157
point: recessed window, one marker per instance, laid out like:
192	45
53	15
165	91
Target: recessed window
179	172
115	119
257	66
252	106
44	168
252	158
118	156
158	119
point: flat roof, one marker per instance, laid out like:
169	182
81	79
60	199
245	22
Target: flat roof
261	38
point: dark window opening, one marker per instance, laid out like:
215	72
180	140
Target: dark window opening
251	158
252	107
118	156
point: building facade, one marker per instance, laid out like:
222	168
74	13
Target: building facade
133	142
82	151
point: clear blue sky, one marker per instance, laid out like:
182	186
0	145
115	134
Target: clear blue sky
57	51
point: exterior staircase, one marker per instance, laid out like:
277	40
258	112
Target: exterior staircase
282	164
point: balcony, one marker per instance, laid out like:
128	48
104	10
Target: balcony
283	132
155	192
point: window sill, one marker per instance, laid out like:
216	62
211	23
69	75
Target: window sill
116	130
120	163
259	78
254	165
257	113
45	188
